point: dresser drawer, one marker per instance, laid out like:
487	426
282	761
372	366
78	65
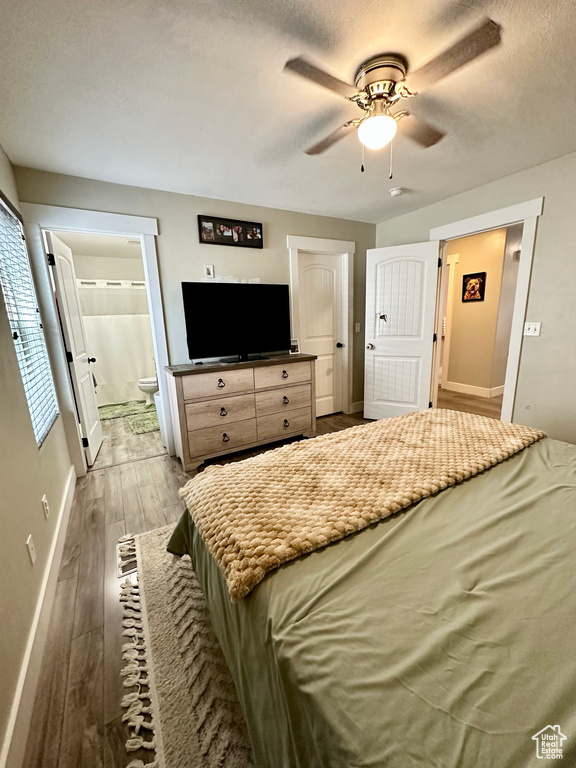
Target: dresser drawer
217	383
219	411
273	427
221	439
277	375
282	399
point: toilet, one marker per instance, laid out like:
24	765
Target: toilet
149	387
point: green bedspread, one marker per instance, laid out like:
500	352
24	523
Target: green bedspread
443	637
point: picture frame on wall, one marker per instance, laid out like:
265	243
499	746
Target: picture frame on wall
213	230
473	286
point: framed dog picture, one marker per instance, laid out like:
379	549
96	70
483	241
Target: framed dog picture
474	286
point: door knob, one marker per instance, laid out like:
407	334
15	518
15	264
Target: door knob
91	359
369	346
339	345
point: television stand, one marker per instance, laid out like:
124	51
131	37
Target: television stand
220	408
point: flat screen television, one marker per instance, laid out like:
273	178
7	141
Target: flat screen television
242	320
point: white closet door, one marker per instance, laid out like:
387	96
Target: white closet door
400	309
320	310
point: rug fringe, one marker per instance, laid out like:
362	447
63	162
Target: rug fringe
139	715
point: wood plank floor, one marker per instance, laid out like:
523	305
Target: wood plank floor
77	719
483	406
120	444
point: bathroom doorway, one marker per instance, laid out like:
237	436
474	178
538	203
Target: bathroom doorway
101	295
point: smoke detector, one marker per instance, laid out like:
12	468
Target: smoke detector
397	191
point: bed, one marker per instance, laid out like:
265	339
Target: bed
441	635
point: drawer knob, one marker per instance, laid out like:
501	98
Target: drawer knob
223	411
221	384
225	438
285	400
284	374
286	423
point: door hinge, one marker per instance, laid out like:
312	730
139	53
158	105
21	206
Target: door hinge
434	338
84	442
69	357
439	262
430	405
51	260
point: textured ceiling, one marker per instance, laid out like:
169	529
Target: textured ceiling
190	96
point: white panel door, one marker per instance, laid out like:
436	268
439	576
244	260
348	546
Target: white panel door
75	339
400	311
320	320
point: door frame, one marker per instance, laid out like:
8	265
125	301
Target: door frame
345	250
526	213
49	217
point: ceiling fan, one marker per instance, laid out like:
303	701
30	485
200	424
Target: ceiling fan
384	80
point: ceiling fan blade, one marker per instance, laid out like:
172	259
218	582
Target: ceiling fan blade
419	131
310	72
474	44
332	138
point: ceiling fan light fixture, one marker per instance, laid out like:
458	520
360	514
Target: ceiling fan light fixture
377	131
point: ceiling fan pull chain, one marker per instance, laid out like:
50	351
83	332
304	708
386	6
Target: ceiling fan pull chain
362	166
391	171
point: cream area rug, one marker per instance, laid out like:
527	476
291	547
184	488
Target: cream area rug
181	704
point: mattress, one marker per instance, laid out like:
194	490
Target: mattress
441	636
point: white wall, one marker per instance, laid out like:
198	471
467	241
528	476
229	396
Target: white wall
547	377
26	474
108	268
182	257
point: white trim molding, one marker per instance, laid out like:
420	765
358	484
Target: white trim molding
471	389
16	736
503	217
346	250
50	217
527	214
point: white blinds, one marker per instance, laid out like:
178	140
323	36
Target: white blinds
26	326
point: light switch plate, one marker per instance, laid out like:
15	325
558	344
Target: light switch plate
45	506
532	329
208	270
31	549
357	328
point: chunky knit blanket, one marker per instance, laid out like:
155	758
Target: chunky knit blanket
256	514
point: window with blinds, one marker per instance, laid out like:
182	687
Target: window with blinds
26	325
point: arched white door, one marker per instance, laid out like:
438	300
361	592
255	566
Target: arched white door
400	311
320	320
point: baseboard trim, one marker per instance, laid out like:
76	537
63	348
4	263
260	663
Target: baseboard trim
14	746
356	407
469	389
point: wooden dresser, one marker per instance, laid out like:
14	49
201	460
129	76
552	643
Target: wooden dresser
219	408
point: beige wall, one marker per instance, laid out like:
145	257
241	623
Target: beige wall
547	376
108	268
182	257
26	473
473	324
506	307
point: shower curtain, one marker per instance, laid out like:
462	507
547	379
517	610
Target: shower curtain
119	336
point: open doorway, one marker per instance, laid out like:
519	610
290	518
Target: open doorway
477	302
101	295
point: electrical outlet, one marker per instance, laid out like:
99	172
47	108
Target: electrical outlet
357	328
45	506
532	329
31	549
208	270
